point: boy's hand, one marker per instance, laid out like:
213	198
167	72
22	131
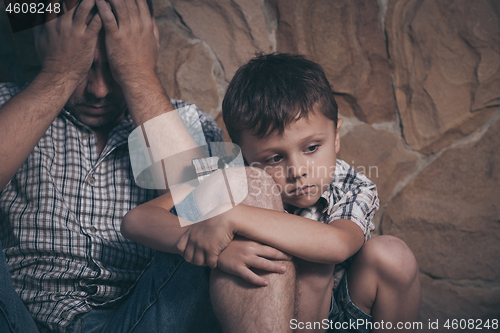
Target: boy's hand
203	241
242	254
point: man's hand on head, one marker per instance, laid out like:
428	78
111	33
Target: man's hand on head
66	43
131	40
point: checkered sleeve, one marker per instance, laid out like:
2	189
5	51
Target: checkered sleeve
211	131
355	198
7	91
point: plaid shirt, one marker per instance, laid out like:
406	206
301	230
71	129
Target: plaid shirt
351	196
60	219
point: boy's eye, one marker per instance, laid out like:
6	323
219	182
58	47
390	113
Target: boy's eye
274	159
311	149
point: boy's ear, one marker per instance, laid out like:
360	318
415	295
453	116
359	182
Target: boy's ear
337	136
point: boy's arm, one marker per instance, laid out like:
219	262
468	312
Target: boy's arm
152	224
299	236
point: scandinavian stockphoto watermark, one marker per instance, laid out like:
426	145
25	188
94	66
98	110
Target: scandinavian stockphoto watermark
365	324
187	159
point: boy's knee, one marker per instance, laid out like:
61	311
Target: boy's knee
392	259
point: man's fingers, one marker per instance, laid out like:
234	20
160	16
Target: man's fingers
107	17
120	10
82	11
95	24
143	9
132	9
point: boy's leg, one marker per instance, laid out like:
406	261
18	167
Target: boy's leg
313	293
383	281
14	317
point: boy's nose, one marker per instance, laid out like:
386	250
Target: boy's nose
296	169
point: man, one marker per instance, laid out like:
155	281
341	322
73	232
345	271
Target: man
66	183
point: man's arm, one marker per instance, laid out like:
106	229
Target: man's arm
66	47
132	46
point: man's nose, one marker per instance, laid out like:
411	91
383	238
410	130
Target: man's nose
100	83
297	168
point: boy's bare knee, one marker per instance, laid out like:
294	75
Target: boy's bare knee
392	259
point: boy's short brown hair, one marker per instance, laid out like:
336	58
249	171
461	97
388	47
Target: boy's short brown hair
271	91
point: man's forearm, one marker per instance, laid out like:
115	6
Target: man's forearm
26	117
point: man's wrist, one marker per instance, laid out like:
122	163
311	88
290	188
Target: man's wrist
146	99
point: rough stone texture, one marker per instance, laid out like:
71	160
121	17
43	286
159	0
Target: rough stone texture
381	156
346	38
446	56
449	216
186	69
444	299
237	28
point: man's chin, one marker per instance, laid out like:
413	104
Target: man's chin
97	122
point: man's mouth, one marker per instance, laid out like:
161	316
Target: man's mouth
96	109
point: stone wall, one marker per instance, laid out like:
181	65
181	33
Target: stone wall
418	86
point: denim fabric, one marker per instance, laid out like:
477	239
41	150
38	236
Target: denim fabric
344	314
14	317
171	296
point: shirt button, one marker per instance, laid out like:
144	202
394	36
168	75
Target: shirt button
92	229
85	136
91	180
65	314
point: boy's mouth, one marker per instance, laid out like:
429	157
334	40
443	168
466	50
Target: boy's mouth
301	190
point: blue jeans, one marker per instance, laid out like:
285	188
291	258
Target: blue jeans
171	296
14	317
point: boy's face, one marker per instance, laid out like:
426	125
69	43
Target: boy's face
301	161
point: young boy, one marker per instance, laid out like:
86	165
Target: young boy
280	110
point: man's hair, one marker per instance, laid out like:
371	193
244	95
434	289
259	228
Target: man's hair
273	90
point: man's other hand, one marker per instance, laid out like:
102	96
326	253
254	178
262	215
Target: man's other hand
66	43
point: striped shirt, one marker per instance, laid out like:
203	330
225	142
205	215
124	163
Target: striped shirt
60	219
